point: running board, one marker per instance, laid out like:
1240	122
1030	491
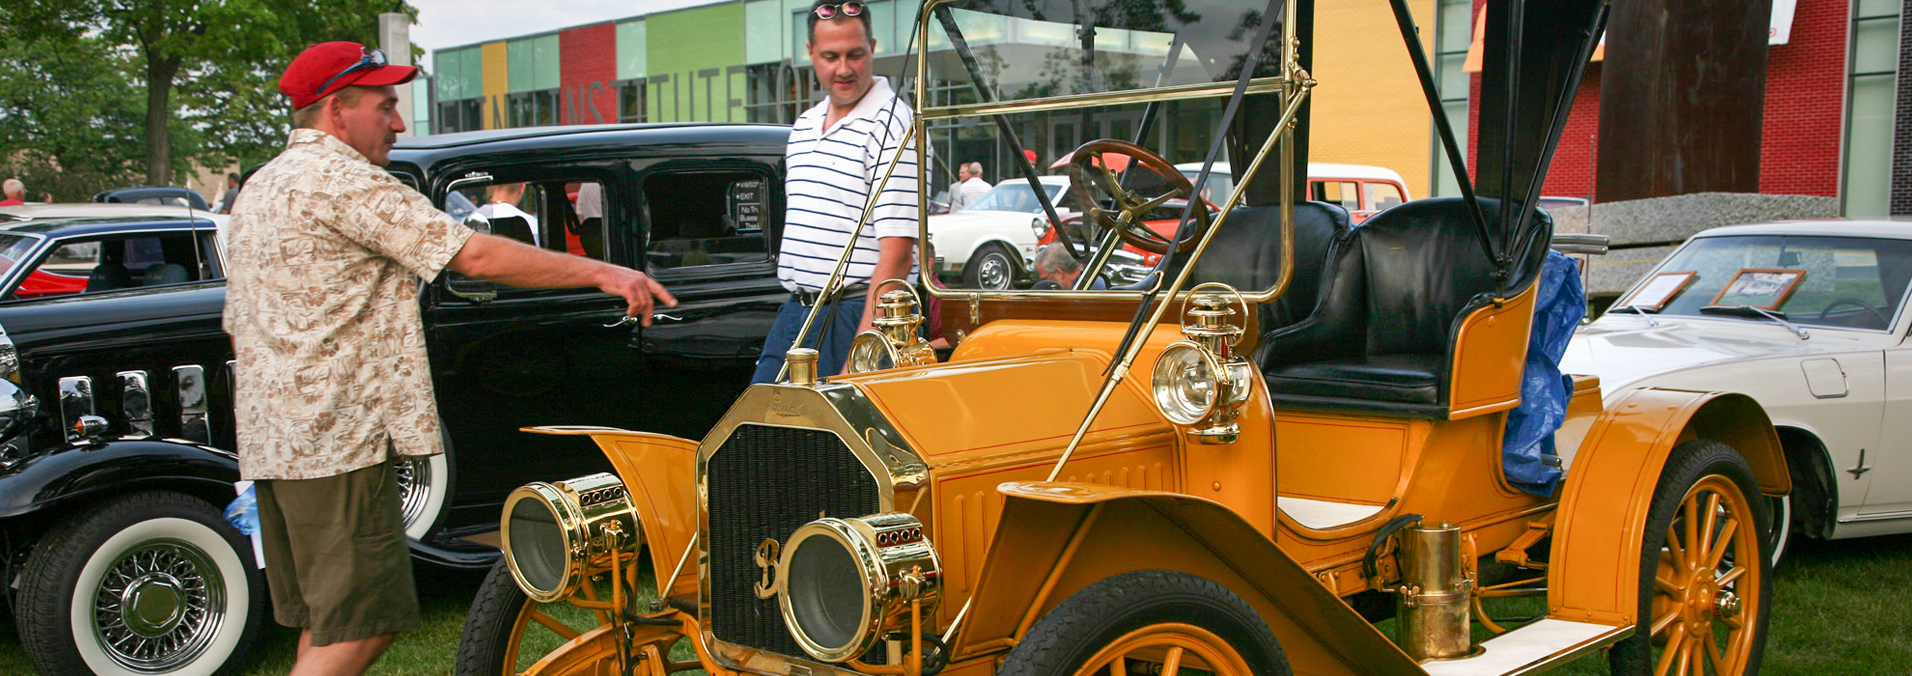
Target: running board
1532	649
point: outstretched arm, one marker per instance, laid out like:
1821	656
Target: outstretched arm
509	261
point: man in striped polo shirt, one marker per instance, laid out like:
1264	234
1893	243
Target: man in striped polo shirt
838	152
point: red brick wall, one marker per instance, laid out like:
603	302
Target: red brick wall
1804	111
1572	171
1805	103
588	55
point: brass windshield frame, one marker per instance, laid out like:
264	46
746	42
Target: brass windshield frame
1290	89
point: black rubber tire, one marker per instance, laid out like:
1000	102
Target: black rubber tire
1068	636
993	253
481	650
1688	464
98	533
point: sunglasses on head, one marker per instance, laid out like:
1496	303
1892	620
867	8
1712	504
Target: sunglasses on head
370	58
847	8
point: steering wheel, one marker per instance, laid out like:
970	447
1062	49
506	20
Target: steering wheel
1838	302
1095	183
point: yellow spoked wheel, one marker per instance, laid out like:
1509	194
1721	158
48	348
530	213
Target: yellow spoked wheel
1704	570
1167	650
507	634
1154	622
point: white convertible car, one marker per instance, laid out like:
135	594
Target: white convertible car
992	242
1808	317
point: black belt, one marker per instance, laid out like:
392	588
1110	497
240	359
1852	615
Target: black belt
807	298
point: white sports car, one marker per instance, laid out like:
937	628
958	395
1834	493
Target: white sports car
1808	318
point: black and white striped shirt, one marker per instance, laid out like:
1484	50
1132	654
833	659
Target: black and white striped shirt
829	175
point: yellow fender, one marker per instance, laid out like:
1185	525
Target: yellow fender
1083	533
1603	506
660	471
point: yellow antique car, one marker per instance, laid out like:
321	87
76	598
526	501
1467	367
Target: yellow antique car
1283	450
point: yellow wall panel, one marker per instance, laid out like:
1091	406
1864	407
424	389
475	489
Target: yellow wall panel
497	82
1369	108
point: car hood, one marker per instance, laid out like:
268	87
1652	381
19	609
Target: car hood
970	219
1625	350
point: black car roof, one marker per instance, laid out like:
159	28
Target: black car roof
707	137
97	225
655	132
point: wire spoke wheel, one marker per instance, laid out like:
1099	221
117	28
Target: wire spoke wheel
159	606
1170	649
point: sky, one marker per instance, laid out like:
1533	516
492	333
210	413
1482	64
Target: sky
450	23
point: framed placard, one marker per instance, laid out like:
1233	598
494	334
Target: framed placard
1763	289
1659	290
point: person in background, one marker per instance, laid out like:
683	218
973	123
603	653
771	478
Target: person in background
502	202
837	154
971	187
14	191
1055	265
232	193
958	198
332	382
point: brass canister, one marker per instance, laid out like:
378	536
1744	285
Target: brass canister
1434	594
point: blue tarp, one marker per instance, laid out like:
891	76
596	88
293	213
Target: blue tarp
1544	391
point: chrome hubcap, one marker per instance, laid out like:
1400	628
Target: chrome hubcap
159	606
153	604
994	272
414	487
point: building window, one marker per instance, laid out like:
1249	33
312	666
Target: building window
456	116
1453	31
630	101
1873	68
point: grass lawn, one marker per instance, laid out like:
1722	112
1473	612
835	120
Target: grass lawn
1840	608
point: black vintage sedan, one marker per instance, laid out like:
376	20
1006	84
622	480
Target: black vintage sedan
116	403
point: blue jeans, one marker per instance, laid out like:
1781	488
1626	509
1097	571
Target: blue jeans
836	328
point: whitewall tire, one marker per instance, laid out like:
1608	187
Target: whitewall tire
423	484
148	583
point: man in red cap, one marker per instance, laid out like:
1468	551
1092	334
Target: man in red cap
332	382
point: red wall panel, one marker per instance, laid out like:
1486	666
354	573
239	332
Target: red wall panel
588	66
1805	103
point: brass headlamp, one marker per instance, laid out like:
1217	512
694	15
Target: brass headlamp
895	342
846	584
1199	381
553	532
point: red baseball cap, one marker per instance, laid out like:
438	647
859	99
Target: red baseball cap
325	68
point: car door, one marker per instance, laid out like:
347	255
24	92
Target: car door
504	358
1889	467
710	237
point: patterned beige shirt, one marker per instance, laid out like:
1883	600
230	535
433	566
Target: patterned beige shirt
325	252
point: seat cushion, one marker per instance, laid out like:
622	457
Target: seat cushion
1404	378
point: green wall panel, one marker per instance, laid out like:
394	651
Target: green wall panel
630	50
705	83
763	31
545	65
471	73
519	65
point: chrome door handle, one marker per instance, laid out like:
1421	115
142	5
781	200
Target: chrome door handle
627	319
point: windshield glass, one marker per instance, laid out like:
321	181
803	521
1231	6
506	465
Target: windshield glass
1015	196
1845	282
14	248
1036	48
1108	94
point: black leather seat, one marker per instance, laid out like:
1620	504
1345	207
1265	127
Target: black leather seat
513	227
165	273
1397	290
108	276
1246	254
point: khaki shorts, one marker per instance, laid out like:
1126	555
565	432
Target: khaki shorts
336	559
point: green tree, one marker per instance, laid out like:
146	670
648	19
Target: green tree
69	114
212	65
